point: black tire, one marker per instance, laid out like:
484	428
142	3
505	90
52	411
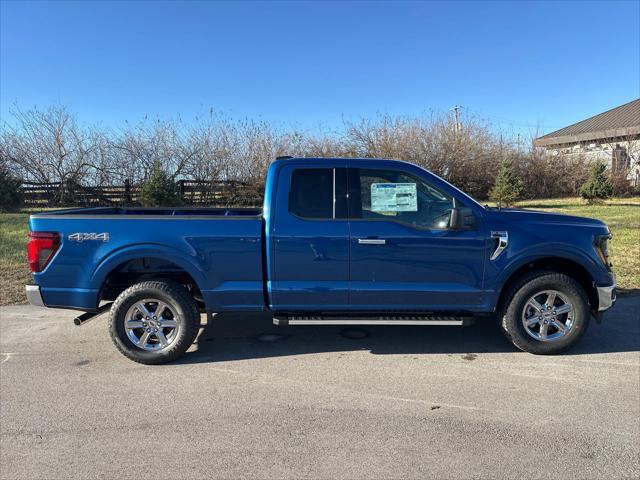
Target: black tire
516	298
178	300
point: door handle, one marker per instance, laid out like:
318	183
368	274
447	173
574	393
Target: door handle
372	241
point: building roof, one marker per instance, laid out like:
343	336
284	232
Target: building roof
619	122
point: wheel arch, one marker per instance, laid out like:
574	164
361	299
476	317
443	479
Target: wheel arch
558	264
181	266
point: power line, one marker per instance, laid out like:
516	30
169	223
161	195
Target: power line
515	123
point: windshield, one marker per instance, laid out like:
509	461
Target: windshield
465	195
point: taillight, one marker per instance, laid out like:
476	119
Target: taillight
41	248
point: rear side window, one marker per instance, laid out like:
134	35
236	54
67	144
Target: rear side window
318	193
311	194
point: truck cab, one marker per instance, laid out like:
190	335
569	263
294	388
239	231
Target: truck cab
338	241
371	236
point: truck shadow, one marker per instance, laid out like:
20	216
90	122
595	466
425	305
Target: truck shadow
241	336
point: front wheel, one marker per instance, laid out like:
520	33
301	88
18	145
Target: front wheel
545	313
154	322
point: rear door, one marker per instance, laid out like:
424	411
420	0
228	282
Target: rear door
310	239
403	255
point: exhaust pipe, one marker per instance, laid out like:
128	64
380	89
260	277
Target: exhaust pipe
85	317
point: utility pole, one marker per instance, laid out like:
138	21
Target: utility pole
456	112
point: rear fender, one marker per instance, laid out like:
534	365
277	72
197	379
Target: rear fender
180	259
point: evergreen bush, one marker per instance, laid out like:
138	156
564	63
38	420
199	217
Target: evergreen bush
159	189
507	187
598	187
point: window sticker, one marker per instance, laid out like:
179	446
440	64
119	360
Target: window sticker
394	197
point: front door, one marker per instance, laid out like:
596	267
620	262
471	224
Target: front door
403	255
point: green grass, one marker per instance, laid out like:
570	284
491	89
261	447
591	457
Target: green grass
14	272
621	214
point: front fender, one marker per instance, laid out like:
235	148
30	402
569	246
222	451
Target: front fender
503	268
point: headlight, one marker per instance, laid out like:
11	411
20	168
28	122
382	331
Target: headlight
602	248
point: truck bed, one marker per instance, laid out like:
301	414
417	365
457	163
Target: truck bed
104	212
220	249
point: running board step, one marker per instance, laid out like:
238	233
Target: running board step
375	320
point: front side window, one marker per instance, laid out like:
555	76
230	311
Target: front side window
398	196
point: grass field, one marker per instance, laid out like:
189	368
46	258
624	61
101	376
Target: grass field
14	272
622	216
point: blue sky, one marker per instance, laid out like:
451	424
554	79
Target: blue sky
310	65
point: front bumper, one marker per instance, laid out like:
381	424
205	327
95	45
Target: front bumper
34	296
606	297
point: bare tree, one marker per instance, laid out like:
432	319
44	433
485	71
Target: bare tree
466	155
49	146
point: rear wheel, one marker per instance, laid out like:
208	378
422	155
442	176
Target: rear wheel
545	313
154	322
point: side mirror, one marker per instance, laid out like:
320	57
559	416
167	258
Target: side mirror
462	219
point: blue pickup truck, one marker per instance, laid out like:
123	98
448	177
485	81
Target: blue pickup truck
338	241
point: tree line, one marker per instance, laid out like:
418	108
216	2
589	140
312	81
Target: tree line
51	145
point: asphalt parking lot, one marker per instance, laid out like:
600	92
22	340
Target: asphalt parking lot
252	400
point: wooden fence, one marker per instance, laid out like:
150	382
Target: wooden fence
193	192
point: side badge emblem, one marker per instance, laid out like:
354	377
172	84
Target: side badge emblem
91	236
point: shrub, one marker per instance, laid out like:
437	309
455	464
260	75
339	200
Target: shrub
507	187
622	187
598	187
551	176
10	194
159	189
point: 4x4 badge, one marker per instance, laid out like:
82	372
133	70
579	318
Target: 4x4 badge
83	237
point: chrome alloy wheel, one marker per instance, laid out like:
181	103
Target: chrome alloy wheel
548	316
152	324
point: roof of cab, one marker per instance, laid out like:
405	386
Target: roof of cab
349	160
